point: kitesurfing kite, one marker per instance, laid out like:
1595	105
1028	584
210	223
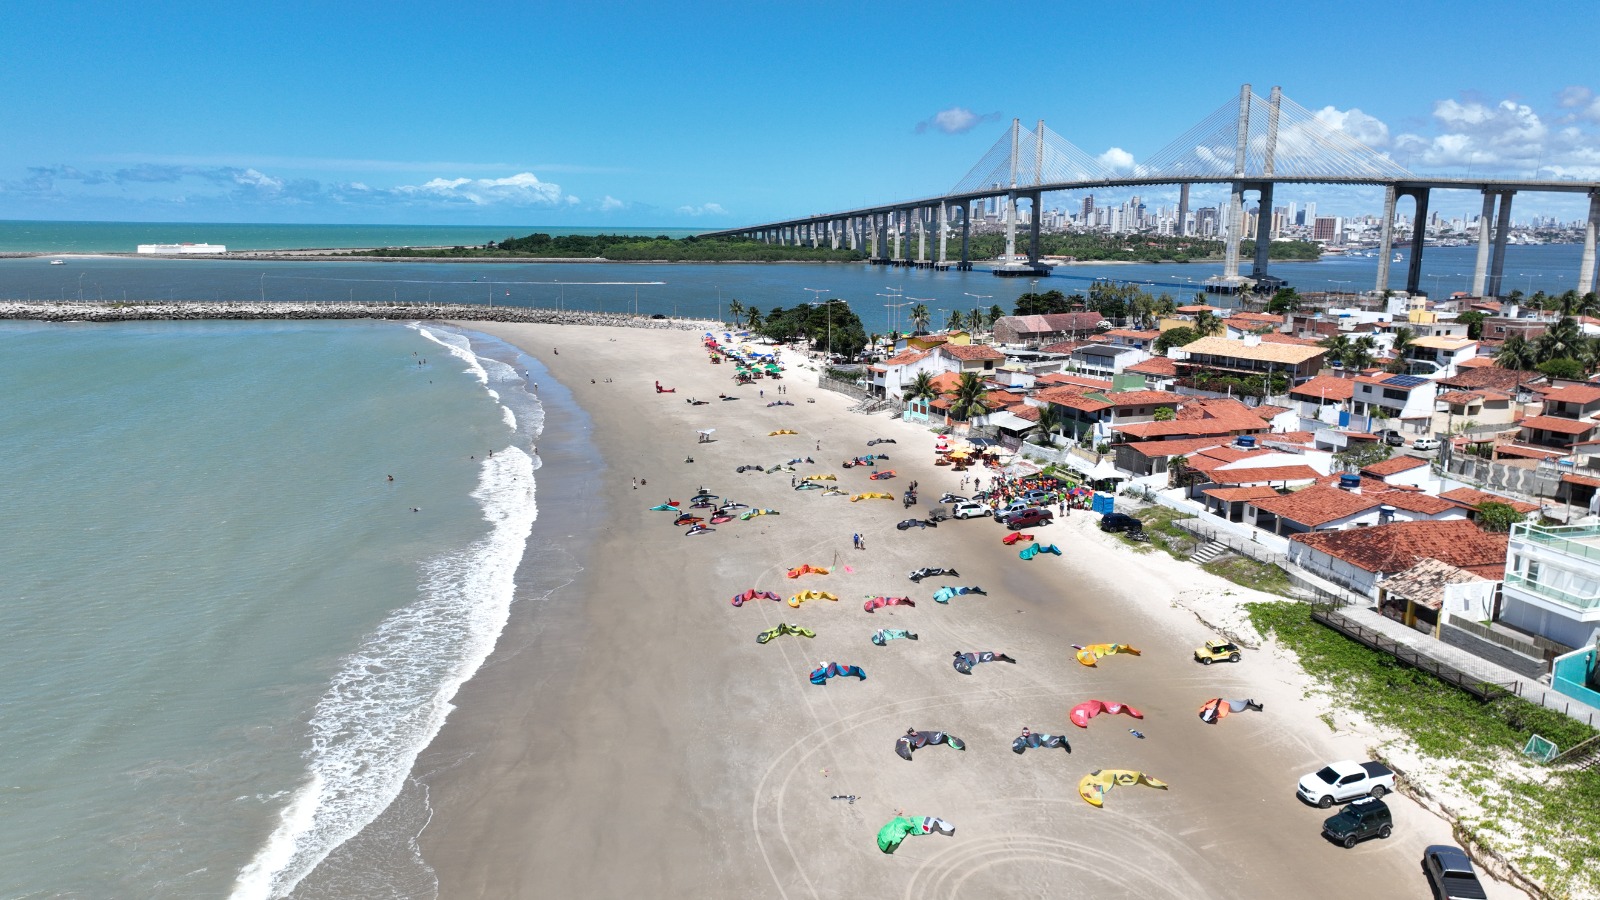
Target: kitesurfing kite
1035	550
882	476
821	478
698	529
809	486
803	596
1015	536
1083	712
877	603
749	594
720	519
883	636
747	515
965	661
781	431
916	740
902	827
669	506
1217	708
687	519
930	571
1031	740
807	569
1089	653
826	670
943	595
1095	785
782	629
872	495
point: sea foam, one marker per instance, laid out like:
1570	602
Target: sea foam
392	695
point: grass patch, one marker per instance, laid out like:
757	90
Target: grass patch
1246	572
1554	817
1161	524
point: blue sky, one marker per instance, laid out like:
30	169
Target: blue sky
712	115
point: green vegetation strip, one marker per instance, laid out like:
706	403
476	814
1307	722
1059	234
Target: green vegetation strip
1249	573
1161	525
1554	817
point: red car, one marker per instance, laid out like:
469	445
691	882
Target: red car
1024	518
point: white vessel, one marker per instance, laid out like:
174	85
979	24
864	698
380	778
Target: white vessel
184	249
58	262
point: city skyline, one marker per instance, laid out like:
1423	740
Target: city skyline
634	114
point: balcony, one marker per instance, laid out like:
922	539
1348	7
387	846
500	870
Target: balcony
1582	541
1575	601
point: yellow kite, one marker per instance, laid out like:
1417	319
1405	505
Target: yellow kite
821	478
781	431
1095	785
1091	652
875	495
803	596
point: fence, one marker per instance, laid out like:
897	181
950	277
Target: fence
1238	543
1527	645
843	387
1348	627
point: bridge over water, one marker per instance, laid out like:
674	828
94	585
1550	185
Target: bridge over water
1251	145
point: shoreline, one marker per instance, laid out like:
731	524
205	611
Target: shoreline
628	737
203	310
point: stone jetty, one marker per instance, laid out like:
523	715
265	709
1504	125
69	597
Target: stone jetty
158	311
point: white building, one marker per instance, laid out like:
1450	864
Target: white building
1552	582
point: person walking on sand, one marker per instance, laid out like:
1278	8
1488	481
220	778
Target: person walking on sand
636	483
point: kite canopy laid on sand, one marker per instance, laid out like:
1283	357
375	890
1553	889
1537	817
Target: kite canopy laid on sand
902	827
1095	785
807	569
964	662
882	476
751	514
883	636
781	431
1015	536
1089	653
749	594
1034	550
1032	740
803	596
782	629
687	519
820	478
665	507
916	740
824	671
943	595
1083	712
876	603
872	495
698	529
1217	708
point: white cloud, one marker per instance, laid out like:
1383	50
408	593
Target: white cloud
956	120
704	209
610	204
1582	100
252	178
1117	160
522	189
1357	124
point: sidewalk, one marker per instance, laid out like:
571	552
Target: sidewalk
1474	666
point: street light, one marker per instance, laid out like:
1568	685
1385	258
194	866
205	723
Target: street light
980	298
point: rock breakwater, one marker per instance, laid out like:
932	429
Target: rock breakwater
79	311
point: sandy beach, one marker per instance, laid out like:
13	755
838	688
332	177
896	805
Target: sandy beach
629	737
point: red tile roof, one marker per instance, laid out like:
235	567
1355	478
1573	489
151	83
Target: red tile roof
1146	398
1475	362
1460	398
1394	465
1268	411
1519	450
1558	425
1254	320
1231	495
905	357
1398	546
1265	474
1133	333
1176	447
1472	499
1078	321
1570	478
1074	397
1317	505
1415	501
970	352
1507	380
1273	337
1199	307
1193	427
1155	365
1582	395
1070	378
1288	437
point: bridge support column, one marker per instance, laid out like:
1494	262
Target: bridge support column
1036	201
1419	236
1011	227
1502	230
1480	268
895	233
1235	226
922	235
1586	280
1183	210
966	236
1386	240
944	232
1258	269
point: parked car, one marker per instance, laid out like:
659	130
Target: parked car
1345	780
969	510
1217	651
1013	506
1116	523
1391	437
1024	518
1037	497
1451	873
1425	444
1364	818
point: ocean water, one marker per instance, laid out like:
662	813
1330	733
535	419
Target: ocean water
226	633
23	236
704	290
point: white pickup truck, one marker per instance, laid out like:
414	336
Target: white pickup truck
1345	780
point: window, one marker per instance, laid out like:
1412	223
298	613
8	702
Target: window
1533	571
1392	394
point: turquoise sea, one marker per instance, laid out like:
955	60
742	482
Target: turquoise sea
226	632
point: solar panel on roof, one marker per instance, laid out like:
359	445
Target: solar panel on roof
1405	381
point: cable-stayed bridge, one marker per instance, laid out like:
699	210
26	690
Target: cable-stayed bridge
1251	143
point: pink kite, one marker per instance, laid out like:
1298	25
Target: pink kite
749	594
875	603
1015	536
1088	709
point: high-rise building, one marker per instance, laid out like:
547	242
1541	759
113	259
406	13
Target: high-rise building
1326	229
1311	215
1088	208
1289	214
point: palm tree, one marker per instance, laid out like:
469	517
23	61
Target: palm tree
1207	323
735	309
1052	421
921	388
1517	353
1338	348
752	316
919	317
1587	305
995	315
1403	339
1359	356
969	398
1589	355
1562	341
956	321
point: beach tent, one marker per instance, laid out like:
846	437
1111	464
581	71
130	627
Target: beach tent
1095	785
